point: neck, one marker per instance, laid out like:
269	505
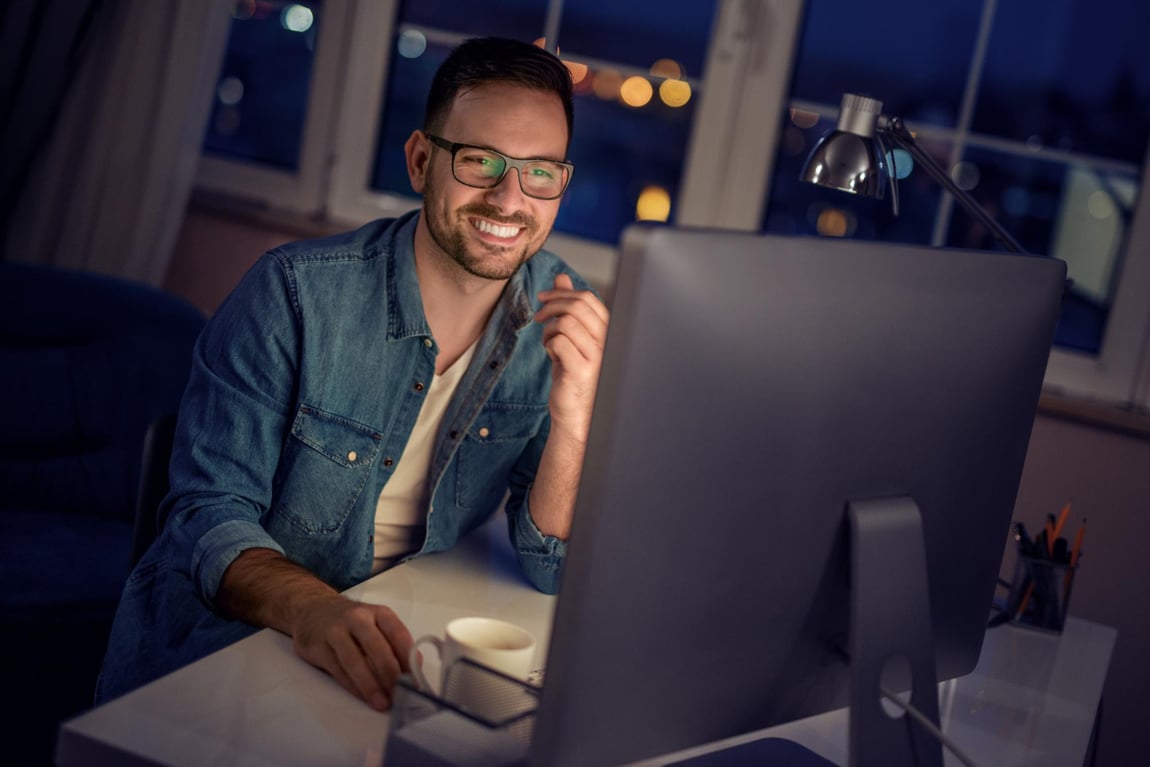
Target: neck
457	304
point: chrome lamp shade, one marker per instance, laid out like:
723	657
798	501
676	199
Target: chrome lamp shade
853	158
850	158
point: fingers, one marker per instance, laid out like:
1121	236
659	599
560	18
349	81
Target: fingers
364	672
564	298
576	315
570	340
363	647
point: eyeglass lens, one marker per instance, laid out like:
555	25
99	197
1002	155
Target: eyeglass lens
483	168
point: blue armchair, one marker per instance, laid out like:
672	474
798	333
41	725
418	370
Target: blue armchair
87	363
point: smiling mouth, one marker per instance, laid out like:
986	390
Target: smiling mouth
502	231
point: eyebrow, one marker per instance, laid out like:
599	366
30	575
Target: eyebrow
511	156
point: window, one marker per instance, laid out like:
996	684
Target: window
1041	108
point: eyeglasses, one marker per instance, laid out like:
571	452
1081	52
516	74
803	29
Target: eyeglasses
483	168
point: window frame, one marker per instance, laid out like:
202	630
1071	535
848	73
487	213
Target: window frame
302	191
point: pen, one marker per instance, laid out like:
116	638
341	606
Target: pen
1025	545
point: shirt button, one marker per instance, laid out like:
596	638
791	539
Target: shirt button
427	342
388	461
484	431
419	386
351	456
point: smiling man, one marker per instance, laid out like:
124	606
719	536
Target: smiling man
373	396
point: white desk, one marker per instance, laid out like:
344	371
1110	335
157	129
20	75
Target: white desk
1032	699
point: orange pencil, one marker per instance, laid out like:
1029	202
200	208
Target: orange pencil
1077	547
1075	550
1025	600
1059	525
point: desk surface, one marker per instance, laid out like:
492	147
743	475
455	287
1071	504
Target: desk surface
1031	700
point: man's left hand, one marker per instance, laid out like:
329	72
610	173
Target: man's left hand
574	332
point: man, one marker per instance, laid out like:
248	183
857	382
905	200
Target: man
376	395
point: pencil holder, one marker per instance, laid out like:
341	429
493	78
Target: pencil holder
1040	593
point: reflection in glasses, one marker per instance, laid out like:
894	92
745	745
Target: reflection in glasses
484	168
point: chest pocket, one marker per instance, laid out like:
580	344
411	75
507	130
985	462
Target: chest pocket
493	445
325	466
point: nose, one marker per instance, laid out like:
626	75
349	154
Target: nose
508	193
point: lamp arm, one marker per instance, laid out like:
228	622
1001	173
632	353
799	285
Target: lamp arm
898	132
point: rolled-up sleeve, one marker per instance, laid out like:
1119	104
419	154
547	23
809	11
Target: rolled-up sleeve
540	556
232	425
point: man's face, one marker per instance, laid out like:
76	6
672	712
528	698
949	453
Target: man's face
490	232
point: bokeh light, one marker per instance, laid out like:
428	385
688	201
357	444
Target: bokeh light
230	91
834	222
803	118
675	93
901	162
667	68
1100	205
966	175
636	91
411	44
243	9
654	204
297	18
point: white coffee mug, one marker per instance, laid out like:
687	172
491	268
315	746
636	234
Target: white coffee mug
493	643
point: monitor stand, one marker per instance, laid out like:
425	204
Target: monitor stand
890	619
890	632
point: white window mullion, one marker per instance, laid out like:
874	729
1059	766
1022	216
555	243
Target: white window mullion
300	191
732	149
351	198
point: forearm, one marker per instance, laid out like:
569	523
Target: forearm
556	485
264	588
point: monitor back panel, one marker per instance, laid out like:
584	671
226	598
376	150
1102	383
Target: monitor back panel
752	386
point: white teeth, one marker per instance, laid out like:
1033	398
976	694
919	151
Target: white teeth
499	231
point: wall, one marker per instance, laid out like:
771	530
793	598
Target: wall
1103	472
1105	475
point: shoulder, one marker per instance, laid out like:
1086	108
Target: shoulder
367	243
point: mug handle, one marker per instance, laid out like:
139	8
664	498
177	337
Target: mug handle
415	662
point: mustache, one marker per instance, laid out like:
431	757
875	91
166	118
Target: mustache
491	212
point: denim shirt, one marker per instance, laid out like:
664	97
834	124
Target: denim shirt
304	389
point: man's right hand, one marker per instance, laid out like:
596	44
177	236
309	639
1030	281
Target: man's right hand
364	647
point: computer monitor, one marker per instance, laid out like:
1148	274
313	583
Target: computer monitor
758	395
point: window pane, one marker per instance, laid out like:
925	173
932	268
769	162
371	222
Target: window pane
638	33
261	97
912	56
1080	82
625	154
518	19
1051	145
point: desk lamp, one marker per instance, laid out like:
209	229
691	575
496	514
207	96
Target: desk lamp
852	158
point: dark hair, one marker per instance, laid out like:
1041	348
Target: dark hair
493	59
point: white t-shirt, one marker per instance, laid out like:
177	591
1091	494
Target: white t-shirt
401	511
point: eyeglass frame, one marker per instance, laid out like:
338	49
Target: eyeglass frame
510	163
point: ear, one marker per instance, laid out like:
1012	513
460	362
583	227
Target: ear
417	150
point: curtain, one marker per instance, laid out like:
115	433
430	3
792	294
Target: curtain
108	185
